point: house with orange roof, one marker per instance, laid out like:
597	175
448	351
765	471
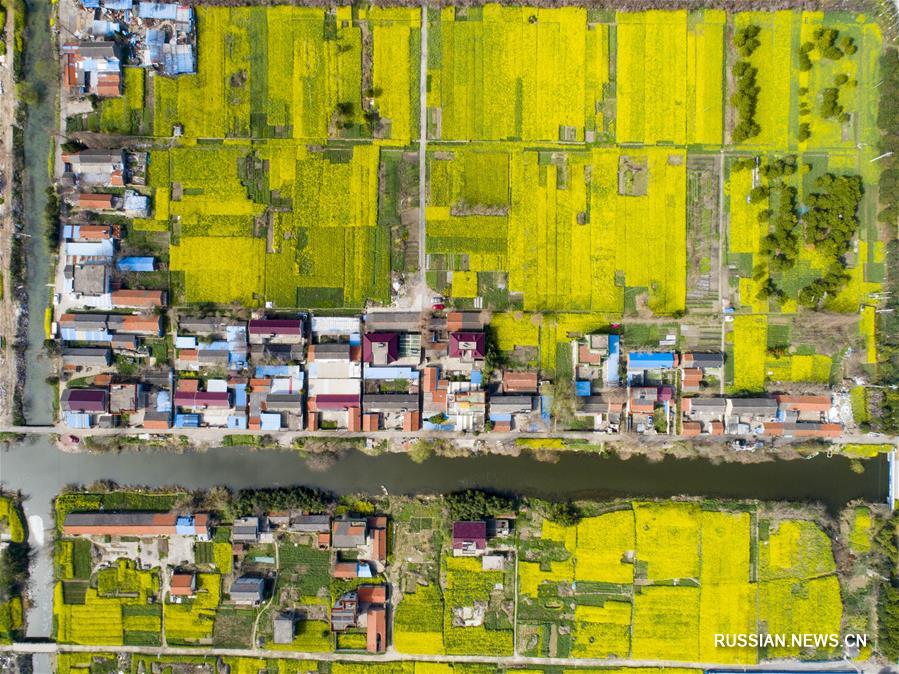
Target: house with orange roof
92	68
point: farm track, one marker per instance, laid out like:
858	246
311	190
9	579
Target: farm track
8	321
506	661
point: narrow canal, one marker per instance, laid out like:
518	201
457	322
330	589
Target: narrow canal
41	74
39	471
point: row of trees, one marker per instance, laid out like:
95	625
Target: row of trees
745	98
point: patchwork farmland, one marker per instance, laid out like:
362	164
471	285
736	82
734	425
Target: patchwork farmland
580	167
270	191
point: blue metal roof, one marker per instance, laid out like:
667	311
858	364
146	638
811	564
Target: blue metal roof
78	420
650	360
136	264
75	335
273	370
236	422
91	4
187	421
240	395
390	373
546	404
163	401
102	248
158	10
500	417
476	377
270	422
582	389
613	361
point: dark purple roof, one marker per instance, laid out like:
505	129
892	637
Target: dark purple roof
470	531
276	326
391	339
479	339
84	400
334	401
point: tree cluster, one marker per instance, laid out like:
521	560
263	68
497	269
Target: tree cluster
746	40
888	121
781	245
785	166
474	504
888	342
743	164
830	101
830	224
258	501
745	100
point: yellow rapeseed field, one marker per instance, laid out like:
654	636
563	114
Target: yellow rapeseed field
750	350
602	631
668	539
666	623
602	543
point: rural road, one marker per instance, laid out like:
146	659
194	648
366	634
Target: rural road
505	661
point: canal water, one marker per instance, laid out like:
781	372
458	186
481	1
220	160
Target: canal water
39	470
41	72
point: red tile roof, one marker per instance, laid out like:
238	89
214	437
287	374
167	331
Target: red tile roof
138	298
804	403
94	200
371	422
412	421
372	594
520	382
691	428
354	419
182	584
376	626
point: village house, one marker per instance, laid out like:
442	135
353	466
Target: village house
210	407
697	367
508	411
596	358
145	524
247	591
245	530
363	608
334	399
469	539
349	534
92	201
276	330
648	367
749	415
79	359
97	168
283	628
606	411
92	68
183	584
138	299
82	407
